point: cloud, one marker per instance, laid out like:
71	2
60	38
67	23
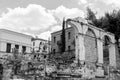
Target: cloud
82	2
33	17
36	19
45	35
115	3
62	12
56	28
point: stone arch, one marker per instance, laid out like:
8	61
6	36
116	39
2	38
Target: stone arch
110	36
79	29
73	24
76	37
90	40
106	52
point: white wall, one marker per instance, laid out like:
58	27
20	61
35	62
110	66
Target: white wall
37	44
14	38
3	46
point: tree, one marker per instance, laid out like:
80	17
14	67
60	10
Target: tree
63	35
91	16
109	22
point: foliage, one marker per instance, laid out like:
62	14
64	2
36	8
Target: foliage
91	16
63	36
109	22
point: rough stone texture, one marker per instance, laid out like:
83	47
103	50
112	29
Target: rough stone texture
118	58
86	45
118	61
90	47
69	42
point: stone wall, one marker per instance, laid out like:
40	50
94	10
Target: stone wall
69	42
90	47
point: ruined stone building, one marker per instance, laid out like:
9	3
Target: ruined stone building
91	45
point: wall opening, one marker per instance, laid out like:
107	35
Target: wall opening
106	46
8	48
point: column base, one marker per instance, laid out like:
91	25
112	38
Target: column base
99	70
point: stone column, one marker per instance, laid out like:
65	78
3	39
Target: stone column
81	48
76	48
12	47
80	29
100	71
112	55
3	46
100	50
20	48
28	49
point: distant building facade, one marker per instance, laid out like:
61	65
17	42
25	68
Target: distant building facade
10	40
41	45
69	40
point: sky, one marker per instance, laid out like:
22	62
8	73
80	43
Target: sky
42	17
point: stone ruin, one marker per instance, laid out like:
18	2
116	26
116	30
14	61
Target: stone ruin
95	48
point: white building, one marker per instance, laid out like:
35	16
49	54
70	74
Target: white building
41	45
10	39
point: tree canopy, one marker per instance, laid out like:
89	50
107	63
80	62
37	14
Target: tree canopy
109	22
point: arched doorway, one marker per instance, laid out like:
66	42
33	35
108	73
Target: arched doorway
106	53
106	46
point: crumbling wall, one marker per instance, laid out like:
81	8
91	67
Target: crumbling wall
90	46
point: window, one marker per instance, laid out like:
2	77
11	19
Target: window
54	51
40	43
68	35
16	46
44	47
54	39
24	49
8	48
33	43
33	49
69	48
